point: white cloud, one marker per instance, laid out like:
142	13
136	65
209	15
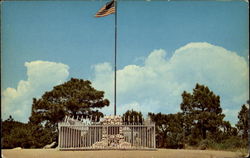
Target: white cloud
157	85
41	77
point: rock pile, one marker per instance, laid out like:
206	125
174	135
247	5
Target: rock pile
112	120
115	139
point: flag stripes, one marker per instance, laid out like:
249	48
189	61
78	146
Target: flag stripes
109	8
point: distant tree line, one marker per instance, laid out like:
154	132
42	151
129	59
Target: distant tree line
75	98
25	135
200	123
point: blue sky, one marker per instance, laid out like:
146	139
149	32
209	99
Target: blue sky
62	39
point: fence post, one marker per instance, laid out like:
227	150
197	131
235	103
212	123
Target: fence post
154	137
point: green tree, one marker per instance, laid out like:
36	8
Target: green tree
202	111
169	130
74	98
132	116
160	128
226	131
7	127
242	124
24	135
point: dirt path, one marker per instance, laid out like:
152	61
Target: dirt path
160	153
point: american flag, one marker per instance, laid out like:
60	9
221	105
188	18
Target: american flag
109	8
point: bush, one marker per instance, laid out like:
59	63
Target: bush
232	143
206	143
193	142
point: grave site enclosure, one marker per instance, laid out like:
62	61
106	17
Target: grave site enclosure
111	132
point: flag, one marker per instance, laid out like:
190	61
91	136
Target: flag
109	8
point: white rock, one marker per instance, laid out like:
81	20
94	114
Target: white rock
49	145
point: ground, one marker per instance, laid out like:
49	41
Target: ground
159	153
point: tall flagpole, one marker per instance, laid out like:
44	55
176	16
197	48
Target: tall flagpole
115	55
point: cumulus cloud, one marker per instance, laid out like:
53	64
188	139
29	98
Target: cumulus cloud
157	85
41	77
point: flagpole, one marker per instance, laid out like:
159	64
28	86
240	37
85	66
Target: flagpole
115	55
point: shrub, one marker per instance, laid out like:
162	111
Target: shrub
193	141
206	143
234	143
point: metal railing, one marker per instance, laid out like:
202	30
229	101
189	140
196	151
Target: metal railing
98	136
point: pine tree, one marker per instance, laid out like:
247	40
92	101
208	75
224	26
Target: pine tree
242	124
74	98
202	111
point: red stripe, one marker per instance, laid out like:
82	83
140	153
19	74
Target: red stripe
105	13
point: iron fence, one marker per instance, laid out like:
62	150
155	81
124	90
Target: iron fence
98	136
